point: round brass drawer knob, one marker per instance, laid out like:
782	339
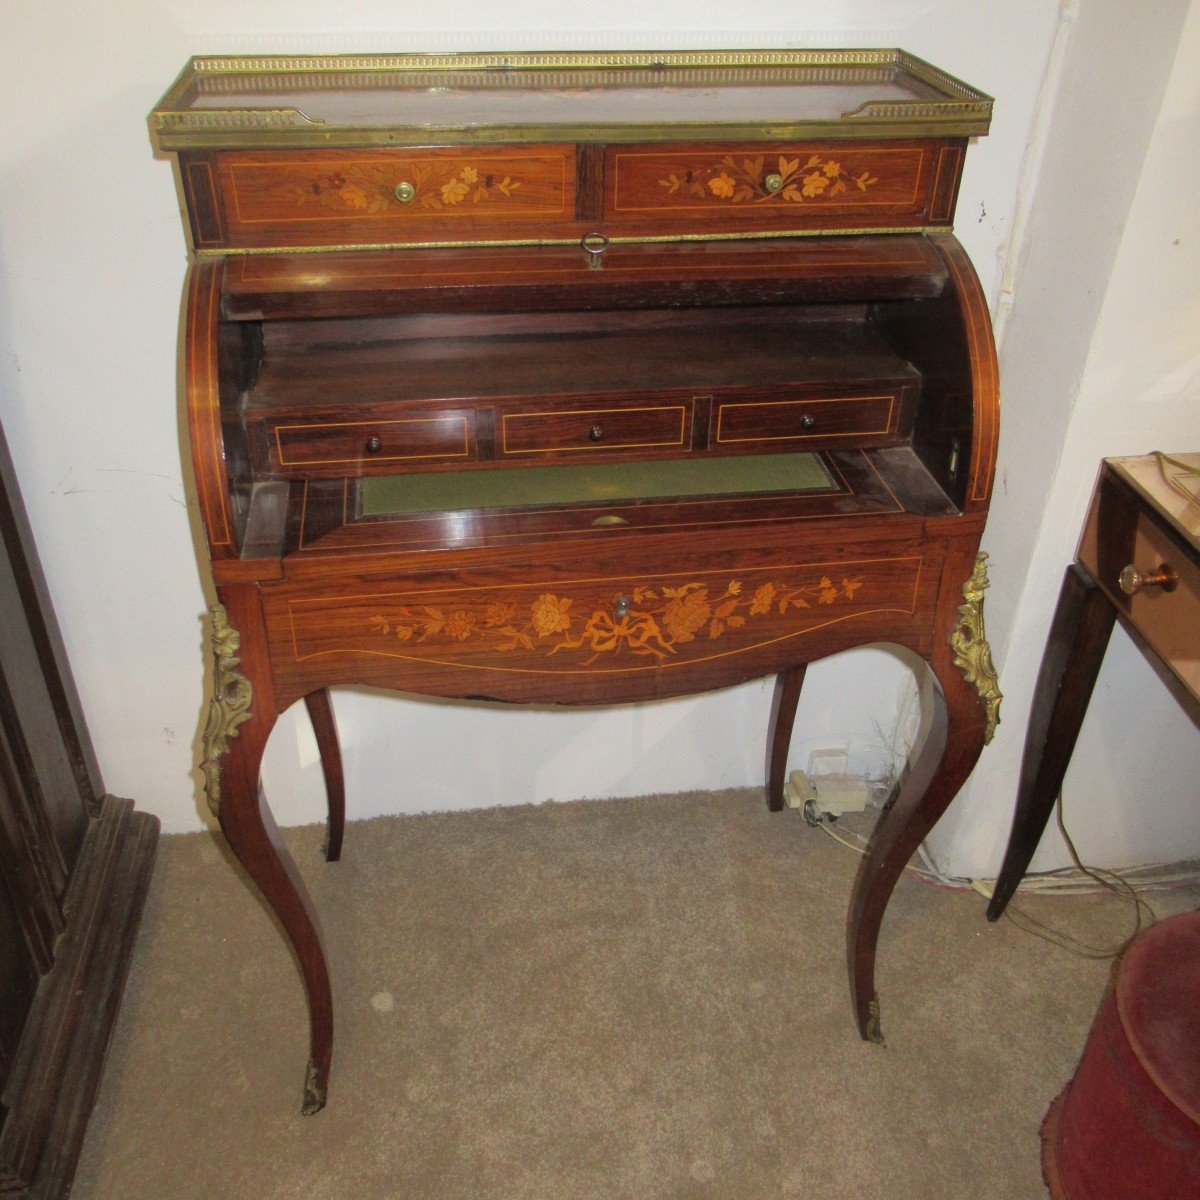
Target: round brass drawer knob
773	183
807	421
596	433
621	606
1132	580
404	192
374	445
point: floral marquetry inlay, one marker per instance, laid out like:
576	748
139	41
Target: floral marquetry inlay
650	622
757	181
371	188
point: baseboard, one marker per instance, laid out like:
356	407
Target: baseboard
60	1059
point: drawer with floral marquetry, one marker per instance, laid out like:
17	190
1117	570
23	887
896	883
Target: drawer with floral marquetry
636	632
425	150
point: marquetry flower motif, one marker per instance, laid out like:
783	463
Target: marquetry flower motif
686	612
353	196
656	624
746	182
499	614
454	190
459	626
550	615
761	602
369	187
721	185
814	184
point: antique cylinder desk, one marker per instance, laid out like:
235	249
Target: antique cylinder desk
581	378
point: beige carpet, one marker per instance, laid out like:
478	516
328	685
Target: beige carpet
639	998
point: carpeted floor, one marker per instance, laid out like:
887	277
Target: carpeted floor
639	998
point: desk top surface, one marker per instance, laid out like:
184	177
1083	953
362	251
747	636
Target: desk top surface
1170	484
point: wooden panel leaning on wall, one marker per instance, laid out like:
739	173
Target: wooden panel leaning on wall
581	379
74	867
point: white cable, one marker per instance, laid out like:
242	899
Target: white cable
1065	881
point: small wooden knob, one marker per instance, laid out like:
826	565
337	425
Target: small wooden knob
374	445
1132	580
596	433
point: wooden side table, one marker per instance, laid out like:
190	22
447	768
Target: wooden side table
1138	562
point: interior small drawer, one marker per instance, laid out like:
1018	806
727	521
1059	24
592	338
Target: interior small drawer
763	422
582	428
366	447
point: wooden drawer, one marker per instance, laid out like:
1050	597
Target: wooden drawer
571	629
1168	619
247	199
590	427
379	445
1119	533
786	420
821	186
352	198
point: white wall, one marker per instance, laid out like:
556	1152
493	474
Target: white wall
91	266
1127	383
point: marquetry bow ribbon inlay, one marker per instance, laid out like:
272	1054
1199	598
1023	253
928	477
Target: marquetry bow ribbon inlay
656	623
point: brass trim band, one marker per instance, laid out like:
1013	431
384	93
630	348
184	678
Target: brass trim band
347	247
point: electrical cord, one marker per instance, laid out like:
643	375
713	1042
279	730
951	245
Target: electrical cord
1102	879
927	876
1111	881
1186	470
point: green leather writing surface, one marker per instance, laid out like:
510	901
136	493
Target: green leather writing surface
450	491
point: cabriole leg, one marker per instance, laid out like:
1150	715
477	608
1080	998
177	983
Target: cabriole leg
241	716
779	739
320	712
966	709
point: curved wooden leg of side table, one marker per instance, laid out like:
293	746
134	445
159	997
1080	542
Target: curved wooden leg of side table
241	718
783	718
320	712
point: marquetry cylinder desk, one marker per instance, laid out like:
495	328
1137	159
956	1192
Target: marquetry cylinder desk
581	379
